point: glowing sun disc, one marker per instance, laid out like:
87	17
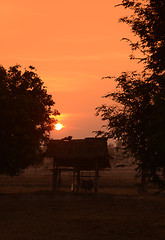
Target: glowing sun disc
58	126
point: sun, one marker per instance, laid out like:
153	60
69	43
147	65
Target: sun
58	126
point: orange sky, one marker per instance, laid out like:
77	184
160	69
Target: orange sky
73	44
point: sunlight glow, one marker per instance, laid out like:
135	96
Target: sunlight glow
58	126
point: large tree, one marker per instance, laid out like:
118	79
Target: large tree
25	109
138	118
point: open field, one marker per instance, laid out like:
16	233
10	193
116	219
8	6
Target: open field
119	211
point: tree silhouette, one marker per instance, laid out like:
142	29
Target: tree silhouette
25	119
138	118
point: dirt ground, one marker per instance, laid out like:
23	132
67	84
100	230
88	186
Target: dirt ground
119	211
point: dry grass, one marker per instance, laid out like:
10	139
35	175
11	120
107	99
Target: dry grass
30	212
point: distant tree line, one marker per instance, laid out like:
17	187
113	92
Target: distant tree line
138	117
25	122
118	156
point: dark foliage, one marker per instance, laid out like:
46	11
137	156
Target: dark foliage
147	22
25	122
138	118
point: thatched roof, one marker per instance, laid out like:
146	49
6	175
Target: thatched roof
79	153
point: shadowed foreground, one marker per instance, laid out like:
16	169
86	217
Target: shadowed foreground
66	216
118	212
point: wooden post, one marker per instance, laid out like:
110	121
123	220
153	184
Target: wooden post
96	177
55	173
53	179
78	180
59	179
74	180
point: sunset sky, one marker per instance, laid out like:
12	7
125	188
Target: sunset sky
72	44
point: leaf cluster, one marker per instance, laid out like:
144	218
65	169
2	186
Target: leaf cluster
138	117
25	118
147	22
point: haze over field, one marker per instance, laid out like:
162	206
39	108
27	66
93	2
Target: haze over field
72	44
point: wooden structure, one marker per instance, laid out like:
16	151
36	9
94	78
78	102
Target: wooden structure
84	157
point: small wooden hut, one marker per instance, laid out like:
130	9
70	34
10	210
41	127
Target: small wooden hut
78	155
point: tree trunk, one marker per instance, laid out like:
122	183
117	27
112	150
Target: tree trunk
143	180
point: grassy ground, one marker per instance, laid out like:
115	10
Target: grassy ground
29	211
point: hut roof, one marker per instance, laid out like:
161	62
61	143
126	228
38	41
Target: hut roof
79	153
